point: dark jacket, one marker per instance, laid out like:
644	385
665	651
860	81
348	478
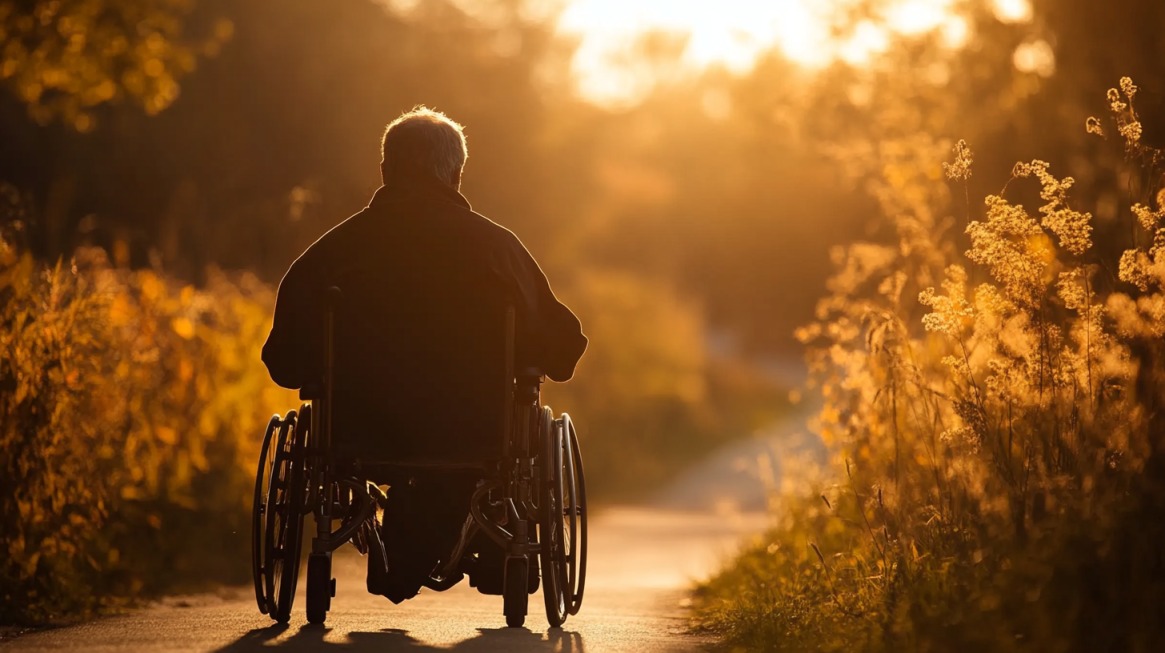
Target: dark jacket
422	277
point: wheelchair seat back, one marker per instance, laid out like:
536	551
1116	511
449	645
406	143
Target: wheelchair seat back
423	370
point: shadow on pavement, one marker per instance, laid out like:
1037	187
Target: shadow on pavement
488	640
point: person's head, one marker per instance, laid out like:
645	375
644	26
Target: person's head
426	142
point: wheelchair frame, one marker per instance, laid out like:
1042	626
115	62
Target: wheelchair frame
530	503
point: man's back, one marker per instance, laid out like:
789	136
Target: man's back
420	331
420	338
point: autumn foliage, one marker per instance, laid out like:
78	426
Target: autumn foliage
997	417
130	409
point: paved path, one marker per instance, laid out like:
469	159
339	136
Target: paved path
642	560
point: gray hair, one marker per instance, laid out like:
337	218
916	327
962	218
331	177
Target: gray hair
424	140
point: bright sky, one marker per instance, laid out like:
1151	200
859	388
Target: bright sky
610	68
628	47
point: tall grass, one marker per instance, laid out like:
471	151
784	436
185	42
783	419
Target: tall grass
997	417
130	410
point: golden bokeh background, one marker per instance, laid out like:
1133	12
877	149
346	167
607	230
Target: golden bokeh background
701	181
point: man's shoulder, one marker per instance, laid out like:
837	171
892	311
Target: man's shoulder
334	242
488	226
484	232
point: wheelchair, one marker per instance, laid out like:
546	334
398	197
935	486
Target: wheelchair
530	503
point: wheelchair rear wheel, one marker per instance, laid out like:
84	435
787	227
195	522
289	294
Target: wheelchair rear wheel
258	516
551	532
577	515
277	522
563	528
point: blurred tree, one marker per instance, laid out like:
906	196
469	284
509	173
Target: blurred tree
62	58
275	139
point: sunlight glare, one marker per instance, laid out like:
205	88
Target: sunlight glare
1012	11
1035	57
625	49
616	65
955	31
868	39
731	34
401	6
915	17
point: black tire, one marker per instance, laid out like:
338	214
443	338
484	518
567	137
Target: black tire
275	518
550	528
515	598
577	555
258	517
319	587
284	514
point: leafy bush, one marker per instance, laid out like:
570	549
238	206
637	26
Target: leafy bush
130	409
1003	437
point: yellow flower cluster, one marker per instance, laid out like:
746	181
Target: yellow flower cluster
1010	244
1128	123
996	437
960	168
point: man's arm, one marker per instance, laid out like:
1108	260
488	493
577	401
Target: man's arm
294	333
552	335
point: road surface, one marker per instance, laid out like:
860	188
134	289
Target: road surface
642	561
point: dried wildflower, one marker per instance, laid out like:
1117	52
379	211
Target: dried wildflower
1127	87
962	437
1073	289
1134	269
1002	244
960	168
1072	227
1092	126
1147	217
1045	364
952	313
1131	131
1115	102
1153	307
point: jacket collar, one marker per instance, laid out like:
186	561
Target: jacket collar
417	187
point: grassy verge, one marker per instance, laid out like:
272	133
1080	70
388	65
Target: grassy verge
999	442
